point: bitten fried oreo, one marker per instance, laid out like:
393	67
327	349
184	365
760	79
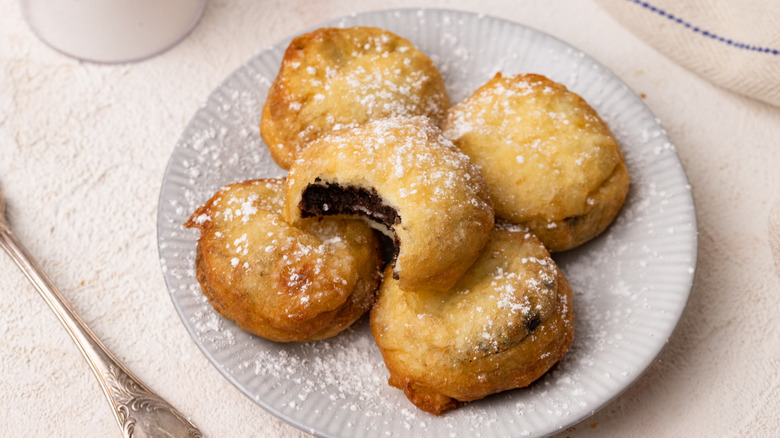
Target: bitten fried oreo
502	326
281	282
550	162
333	78
411	183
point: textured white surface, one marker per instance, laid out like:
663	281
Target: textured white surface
82	152
774	234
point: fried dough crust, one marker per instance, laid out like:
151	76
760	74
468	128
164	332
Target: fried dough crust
550	161
333	78
502	326
281	282
415	186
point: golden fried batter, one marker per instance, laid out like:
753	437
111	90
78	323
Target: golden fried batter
504	324
281	282
411	182
550	162
333	78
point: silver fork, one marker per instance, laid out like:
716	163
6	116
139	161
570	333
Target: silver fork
138	410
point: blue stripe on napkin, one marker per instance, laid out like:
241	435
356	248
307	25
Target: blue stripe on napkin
706	33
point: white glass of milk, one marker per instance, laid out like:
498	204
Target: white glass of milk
112	31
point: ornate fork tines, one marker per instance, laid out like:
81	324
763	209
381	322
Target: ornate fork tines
138	410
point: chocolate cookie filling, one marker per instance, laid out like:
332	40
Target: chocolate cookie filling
532	322
327	199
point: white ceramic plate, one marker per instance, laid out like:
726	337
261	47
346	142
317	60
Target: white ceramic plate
631	284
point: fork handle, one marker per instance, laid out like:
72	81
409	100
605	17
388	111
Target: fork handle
137	409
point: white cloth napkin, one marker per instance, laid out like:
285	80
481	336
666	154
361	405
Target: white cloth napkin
732	43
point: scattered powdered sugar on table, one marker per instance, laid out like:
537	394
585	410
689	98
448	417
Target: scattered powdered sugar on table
623	302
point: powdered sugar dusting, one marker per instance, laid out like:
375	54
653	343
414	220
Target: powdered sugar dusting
624	311
413	146
351	76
